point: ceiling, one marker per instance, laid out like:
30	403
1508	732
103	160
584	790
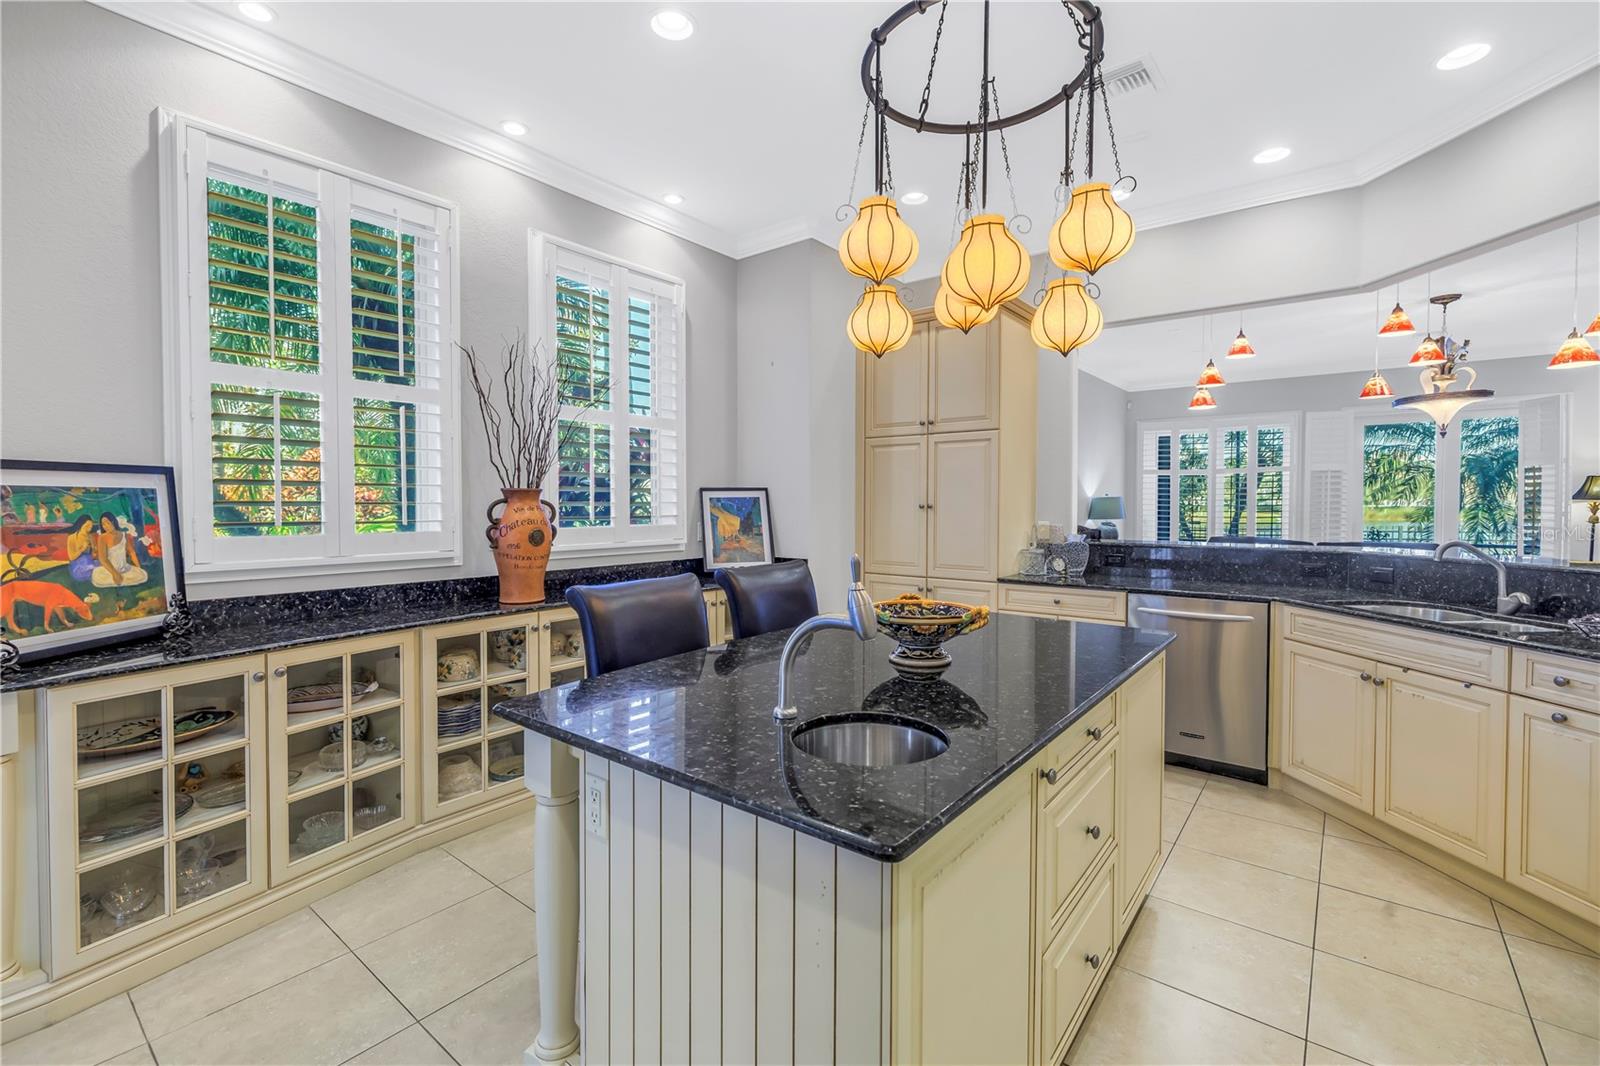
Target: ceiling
1516	301
754	119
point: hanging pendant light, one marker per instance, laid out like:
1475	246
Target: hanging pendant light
880	323
1376	387
1093	231
988	265
1594	328
1203	400
1398	323
1439	399
1575	351
1210	377
1428	351
1067	318
1240	348
955	313
878	245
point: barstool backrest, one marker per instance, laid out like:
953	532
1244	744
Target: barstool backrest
632	622
762	599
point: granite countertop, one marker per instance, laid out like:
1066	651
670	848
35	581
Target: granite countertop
1333	599
704	721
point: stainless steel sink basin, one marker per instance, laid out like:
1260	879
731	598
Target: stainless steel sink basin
1507	627
1411	610
882	741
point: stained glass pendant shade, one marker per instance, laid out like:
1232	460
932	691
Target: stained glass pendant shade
1210	377
1240	348
1574	352
1427	352
1398	324
1203	400
1376	388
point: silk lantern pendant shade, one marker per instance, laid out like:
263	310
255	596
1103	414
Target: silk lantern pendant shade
988	266
880	323
878	245
955	313
1093	231
1067	318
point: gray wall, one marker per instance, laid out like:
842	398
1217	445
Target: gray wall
82	363
1102	441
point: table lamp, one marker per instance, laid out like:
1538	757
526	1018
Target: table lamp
1588	492
1108	509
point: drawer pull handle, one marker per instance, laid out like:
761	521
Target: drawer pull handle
1093	831
282	671
1093	961
1558	716
1051	775
1365	676
258	676
1094	732
1560	681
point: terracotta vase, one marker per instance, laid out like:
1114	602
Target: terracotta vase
521	537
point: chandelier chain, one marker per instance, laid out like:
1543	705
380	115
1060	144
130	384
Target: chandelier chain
1111	131
1005	153
927	86
855	171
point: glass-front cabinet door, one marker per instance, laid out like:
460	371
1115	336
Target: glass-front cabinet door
158	801
342	720
469	756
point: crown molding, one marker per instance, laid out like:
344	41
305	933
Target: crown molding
206	27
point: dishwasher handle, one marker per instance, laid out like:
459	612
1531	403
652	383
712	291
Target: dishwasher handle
1198	616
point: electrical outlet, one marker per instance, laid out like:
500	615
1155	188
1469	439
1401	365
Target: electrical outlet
594	805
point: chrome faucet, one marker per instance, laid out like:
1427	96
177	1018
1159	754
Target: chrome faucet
1504	603
860	618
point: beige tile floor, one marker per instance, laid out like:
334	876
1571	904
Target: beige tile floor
1272	935
1277	935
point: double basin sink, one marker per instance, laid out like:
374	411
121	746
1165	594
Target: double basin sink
1466	621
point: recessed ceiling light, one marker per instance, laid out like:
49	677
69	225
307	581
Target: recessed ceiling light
672	199
1464	56
914	198
672	24
1271	155
256	12
512	128
1119	194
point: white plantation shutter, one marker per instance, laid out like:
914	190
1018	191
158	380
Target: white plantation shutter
614	334
313	311
1542	505
1157	455
1333	489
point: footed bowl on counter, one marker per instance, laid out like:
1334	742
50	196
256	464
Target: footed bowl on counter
920	627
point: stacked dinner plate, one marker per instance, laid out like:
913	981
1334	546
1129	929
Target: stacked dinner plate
458	719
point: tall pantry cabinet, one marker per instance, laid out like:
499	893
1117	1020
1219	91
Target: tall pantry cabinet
945	458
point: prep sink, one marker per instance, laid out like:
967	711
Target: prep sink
1412	610
1499	625
883	741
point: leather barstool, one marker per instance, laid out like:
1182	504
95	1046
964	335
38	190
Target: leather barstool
632	622
762	599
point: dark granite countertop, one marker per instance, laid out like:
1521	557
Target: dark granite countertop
1333	598
704	721
255	624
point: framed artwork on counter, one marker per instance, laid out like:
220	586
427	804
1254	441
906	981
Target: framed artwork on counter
89	554
737	526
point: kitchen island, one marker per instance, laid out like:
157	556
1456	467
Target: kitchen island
745	900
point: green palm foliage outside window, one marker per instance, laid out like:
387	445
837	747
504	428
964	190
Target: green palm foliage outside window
1489	483
1397	475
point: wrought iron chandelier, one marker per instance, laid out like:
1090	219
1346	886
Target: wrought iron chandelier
988	265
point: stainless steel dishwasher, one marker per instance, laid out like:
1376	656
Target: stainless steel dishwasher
1216	679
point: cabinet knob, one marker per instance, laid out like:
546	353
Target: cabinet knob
1558	716
1378	681
280	671
1365	676
1093	961
1093	831
1056	602
1560	681
1051	775
930	506
922	507
546	626
1094	732
258	676
922	421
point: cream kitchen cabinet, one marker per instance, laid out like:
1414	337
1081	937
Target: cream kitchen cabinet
943	381
1553	804
894	389
1329	722
1142	722
927	501
1440	763
896	502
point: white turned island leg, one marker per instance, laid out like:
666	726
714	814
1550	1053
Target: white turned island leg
550	772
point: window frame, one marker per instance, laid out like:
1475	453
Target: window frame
1215	473
626	538
332	551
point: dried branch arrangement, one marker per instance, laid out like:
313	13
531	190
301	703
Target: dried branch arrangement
524	427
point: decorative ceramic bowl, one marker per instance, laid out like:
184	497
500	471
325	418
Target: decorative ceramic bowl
457	664
920	627
508	647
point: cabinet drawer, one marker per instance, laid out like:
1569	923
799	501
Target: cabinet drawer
1076	829
1571	682
1089	733
971	593
1434	653
1075	963
1088	605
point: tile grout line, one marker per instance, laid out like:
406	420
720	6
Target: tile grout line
1316	921
1220	1006
1538	1041
1242	862
140	1022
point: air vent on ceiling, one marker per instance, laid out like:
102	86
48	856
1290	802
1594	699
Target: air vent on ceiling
1135	77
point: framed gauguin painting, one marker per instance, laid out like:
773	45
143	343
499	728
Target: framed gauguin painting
737	524
89	554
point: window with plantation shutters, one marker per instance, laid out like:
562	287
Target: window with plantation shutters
312	333
613	334
1208	477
